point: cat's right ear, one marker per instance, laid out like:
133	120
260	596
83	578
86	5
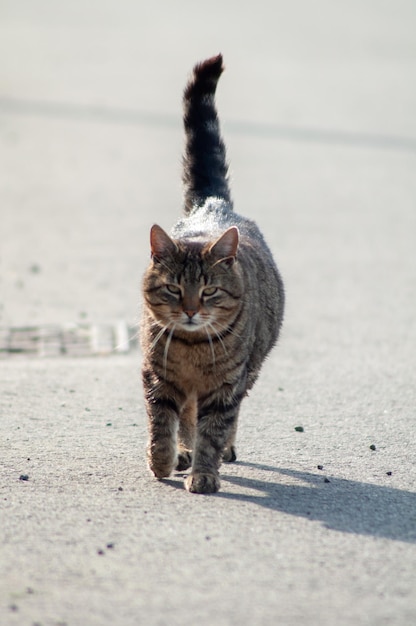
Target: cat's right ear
161	245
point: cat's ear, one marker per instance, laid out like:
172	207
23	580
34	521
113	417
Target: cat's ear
225	247
161	245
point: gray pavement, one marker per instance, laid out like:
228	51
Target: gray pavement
310	528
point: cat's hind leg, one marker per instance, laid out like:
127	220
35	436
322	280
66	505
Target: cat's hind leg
186	435
229	454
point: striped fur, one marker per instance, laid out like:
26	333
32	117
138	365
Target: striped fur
213	307
205	167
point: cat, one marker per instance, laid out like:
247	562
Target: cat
213	307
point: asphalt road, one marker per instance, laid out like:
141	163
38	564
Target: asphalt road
317	105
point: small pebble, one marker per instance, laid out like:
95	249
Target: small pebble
389	473
326	480
110	546
24	477
320	467
299	429
100	552
120	488
372	447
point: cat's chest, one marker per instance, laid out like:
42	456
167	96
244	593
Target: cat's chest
194	367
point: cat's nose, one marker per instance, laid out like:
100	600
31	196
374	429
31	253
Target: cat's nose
190	313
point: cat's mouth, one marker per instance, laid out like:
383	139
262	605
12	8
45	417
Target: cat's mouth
192	325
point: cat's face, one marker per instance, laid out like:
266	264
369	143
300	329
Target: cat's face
192	286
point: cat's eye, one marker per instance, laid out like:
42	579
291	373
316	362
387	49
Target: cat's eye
174	289
210	291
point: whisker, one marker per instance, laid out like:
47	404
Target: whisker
165	353
227	328
159	335
218	337
211	345
128	341
127	338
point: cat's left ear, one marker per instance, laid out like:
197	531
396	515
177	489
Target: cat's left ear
161	245
225	247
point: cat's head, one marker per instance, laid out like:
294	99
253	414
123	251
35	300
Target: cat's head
194	285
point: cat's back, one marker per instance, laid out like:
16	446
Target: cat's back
213	218
263	301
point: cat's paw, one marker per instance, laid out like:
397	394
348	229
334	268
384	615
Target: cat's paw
161	468
184	461
161	471
202	483
229	455
161	458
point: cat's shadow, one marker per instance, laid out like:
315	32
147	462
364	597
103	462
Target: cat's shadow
340	504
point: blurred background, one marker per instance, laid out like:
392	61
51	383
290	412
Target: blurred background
317	107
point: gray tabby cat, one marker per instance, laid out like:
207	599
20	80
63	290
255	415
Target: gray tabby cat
213	307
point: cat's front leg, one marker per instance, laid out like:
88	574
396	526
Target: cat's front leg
162	413
209	446
162	446
186	435
162	406
213	432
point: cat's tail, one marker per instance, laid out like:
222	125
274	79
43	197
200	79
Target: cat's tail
204	163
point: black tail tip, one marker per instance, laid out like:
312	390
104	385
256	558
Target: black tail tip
204	77
212	67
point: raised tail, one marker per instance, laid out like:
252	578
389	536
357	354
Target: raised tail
204	162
